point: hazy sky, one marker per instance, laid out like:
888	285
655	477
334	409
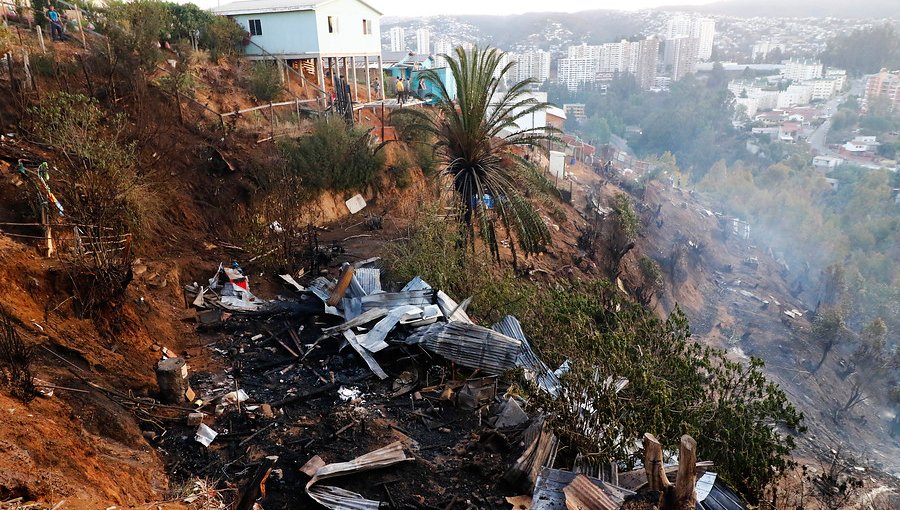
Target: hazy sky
428	8
420	8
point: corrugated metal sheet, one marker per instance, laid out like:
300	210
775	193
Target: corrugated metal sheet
375	339
341	499
321	287
536	369
469	345
366	281
719	497
416	283
704	485
390	300
582	494
549	490
365	355
336	498
453	311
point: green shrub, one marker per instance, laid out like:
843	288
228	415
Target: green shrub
222	37
264	81
137	27
333	157
425	158
43	64
102	184
675	386
400	170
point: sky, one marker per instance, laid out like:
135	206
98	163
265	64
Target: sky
420	8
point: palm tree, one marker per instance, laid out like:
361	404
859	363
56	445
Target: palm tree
474	136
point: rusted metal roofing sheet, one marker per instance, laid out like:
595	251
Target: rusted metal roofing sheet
582	494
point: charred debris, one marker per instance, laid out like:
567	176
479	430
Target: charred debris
343	395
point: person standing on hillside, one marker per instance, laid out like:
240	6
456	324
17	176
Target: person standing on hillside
376	87
401	92
56	29
421	89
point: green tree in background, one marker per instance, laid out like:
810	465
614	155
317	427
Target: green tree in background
865	50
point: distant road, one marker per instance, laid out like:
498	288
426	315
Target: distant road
817	140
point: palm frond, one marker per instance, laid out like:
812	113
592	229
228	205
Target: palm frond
474	135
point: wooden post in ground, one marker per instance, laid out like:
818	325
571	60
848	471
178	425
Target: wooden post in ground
682	495
685	496
653	464
355	81
80	26
40	33
172	378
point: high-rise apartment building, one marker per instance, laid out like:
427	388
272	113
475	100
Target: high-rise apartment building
682	53
533	64
702	29
423	41
601	63
398	39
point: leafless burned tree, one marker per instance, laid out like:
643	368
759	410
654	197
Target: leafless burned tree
15	360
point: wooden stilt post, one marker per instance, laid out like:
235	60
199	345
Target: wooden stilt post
355	81
320	70
368	81
380	76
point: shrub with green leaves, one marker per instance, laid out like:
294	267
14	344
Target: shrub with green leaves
137	27
333	157
100	183
741	421
264	81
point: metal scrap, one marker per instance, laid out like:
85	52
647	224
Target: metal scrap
336	498
469	345
535	369
582	494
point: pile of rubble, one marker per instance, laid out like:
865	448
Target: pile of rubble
346	396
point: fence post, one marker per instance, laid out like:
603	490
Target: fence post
40	34
271	120
80	26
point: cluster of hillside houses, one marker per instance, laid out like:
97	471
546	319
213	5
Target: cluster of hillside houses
328	39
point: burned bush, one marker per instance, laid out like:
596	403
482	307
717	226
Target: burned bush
15	361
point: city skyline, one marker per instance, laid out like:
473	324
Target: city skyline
507	7
497	7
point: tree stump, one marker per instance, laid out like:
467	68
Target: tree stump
172	378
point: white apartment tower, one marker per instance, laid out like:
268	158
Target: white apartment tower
423	41
398	39
703	29
802	70
533	64
682	52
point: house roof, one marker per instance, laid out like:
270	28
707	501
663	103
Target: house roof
556	112
270	6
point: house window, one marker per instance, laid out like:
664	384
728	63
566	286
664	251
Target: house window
367	27
255	27
332	24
